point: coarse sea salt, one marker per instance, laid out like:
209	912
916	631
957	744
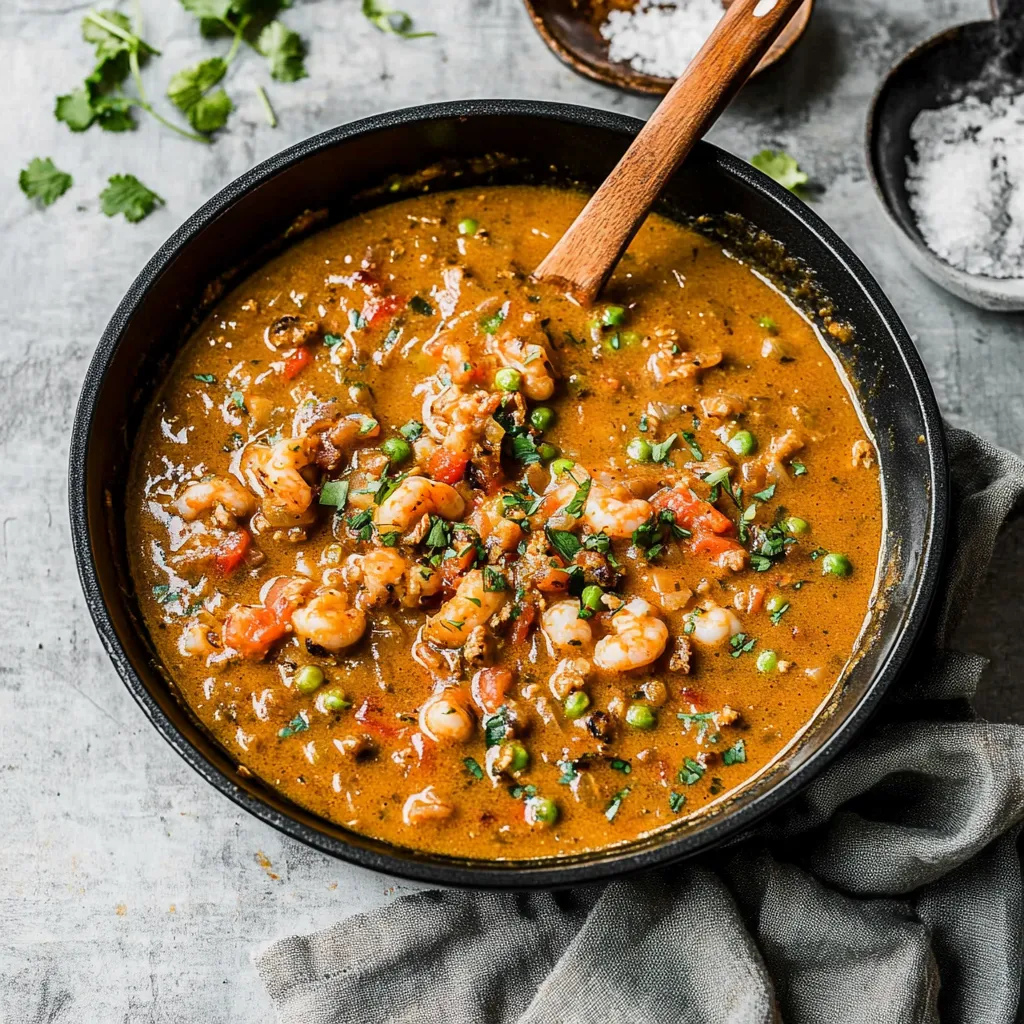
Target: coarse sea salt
660	39
965	184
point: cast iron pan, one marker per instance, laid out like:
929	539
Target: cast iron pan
325	172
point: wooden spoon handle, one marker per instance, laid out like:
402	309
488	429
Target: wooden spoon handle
583	259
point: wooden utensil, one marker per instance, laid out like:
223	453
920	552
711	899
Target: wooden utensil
583	259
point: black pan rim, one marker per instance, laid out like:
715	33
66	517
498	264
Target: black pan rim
434	869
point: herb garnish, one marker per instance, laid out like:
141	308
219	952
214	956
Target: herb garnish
205	378
659	452
473	767
496	727
704	720
412	430
799	469
297	724
361	524
651	536
691	443
568	770
616	803
776	616
736	754
565	543
741	644
490	324
334	492
781	167
421	306
619	765
691	772
676	802
579	502
43	181
494	581
126	194
395	23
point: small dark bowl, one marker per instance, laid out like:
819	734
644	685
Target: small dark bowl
569	32
333	171
979	59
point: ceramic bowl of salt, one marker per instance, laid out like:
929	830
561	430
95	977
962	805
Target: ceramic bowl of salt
946	152
641	46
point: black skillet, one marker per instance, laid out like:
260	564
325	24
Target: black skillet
980	59
329	172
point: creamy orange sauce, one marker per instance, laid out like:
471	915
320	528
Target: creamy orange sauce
450	727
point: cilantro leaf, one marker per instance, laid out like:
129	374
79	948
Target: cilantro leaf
126	194
75	110
334	492
736	754
616	803
42	180
110	32
113	113
189	91
565	543
395	23
676	802
691	443
579	502
691	772
473	767
214	10
781	167
285	50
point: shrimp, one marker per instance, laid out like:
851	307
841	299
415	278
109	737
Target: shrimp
563	627
670	364
714	625
531	357
638	637
446	717
415	497
610	511
471	606
200	497
570	675
377	572
251	630
426	806
330	621
277	473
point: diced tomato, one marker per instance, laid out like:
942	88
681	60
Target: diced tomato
455	565
232	550
705	543
251	629
369	717
692	512
378	307
295	364
447	466
521	630
490	685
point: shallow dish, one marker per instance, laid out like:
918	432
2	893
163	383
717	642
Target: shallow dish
361	165
576	41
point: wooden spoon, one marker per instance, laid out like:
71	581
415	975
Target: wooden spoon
584	257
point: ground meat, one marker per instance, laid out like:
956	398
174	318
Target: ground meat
682	650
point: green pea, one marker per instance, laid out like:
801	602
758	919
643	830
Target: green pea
613	316
796	525
775	603
576	704
835	564
308	679
640	716
520	758
743	442
542	417
541	811
507	379
560	466
639	449
334	700
590	601
397	449
468	226
546	451
767	661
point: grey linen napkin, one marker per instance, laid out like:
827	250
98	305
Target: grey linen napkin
889	891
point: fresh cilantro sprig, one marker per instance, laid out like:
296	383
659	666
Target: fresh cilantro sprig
781	167
395	23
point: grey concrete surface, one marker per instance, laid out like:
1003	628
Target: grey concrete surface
129	891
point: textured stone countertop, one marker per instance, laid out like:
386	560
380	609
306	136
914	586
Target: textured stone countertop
129	890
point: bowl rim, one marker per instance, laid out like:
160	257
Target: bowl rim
436	869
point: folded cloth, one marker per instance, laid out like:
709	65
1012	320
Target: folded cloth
889	891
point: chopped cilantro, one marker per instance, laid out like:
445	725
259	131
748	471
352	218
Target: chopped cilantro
297	724
395	23
767	323
691	772
189	91
334	492
494	581
205	378
799	469
356	319
741	644
421	306
676	802
767	494
496	727
568	770
616	803
776	616
659	452
579	502
617	764
736	754
704	720
238	400
490	324
361	524
330	340
473	767
564	542
691	443
412	430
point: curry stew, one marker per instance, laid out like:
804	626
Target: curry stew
459	565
